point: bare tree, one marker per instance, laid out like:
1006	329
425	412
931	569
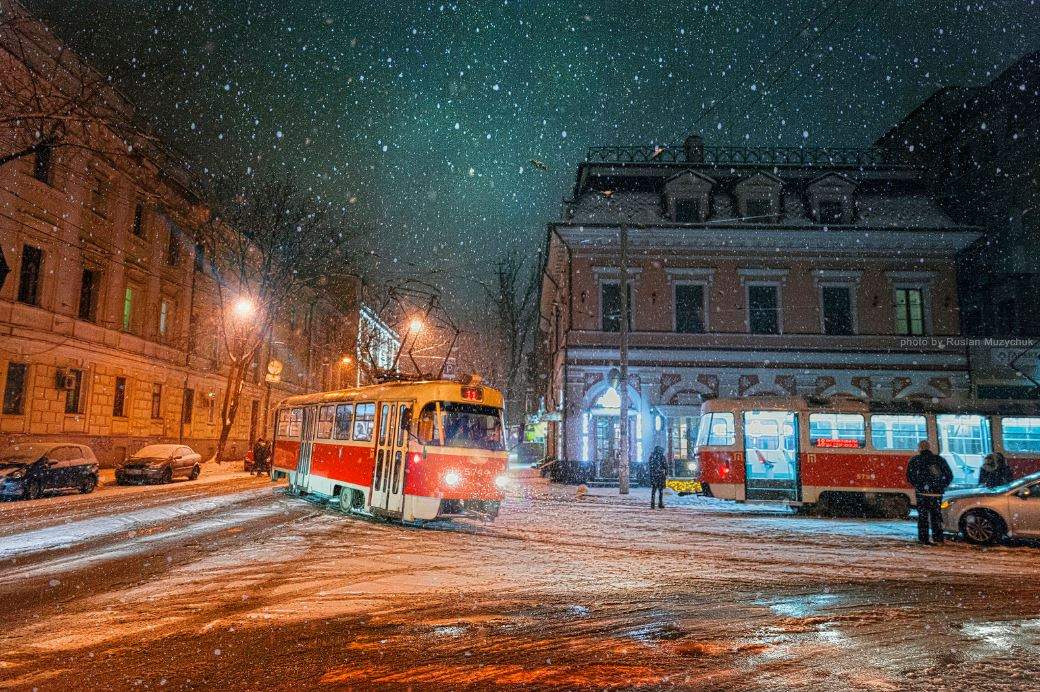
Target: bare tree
50	99
270	247
512	295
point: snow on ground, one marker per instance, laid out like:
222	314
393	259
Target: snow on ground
265	589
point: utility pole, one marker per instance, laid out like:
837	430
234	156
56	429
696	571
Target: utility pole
623	466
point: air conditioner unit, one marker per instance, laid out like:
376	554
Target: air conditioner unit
64	380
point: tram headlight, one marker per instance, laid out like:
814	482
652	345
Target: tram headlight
452	478
502	481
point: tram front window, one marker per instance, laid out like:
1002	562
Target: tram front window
461	425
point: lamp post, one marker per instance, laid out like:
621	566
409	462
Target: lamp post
623	462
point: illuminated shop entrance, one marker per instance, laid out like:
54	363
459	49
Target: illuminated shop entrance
605	434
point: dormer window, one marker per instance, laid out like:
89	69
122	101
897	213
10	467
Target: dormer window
758	198
686	197
688	210
830	199
758	209
830	211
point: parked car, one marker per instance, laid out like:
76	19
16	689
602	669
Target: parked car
160	464
986	515
33	469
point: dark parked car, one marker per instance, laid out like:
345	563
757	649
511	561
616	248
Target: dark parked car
160	464
30	470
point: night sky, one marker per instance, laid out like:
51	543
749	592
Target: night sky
423	117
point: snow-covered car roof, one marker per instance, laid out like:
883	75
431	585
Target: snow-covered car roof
157	450
38	449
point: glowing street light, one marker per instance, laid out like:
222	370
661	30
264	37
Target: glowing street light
243	308
415	325
345	360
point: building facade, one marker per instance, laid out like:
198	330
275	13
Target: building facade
980	149
821	272
109	320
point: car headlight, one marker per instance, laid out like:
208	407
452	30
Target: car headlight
502	482
945	504
452	478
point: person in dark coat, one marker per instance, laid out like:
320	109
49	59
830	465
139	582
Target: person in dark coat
930	475
658	468
261	456
995	471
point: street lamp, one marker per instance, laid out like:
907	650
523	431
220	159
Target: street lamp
415	325
243	308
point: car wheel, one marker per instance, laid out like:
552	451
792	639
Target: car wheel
982	527
167	475
33	489
195	471
88	485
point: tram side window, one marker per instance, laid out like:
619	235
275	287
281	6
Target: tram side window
837	430
889	432
1021	434
364	421
716	429
404	416
427	428
344	417
963	434
295	422
326	414
284	417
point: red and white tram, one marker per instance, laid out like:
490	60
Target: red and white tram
402	450
844	454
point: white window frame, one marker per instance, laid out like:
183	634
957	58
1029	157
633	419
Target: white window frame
763	277
914	280
691	276
827	278
612	275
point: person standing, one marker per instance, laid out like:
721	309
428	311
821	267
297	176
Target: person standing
930	475
261	455
658	469
995	471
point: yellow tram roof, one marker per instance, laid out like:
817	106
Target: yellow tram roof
428	390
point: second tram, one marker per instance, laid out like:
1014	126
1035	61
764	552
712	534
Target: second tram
839	453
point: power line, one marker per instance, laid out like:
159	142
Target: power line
776	52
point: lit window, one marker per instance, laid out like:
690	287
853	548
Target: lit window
128	308
837	430
1021	434
164	316
909	311
890	432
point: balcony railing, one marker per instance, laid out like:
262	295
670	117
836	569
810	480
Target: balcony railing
766	156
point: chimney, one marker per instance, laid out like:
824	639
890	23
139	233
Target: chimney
693	147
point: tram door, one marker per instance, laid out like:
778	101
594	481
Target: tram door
303	465
771	456
391	448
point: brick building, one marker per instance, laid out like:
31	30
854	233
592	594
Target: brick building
980	149
823	272
107	313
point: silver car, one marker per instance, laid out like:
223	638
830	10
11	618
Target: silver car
986	515
160	464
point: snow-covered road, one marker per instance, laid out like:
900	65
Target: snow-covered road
237	584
